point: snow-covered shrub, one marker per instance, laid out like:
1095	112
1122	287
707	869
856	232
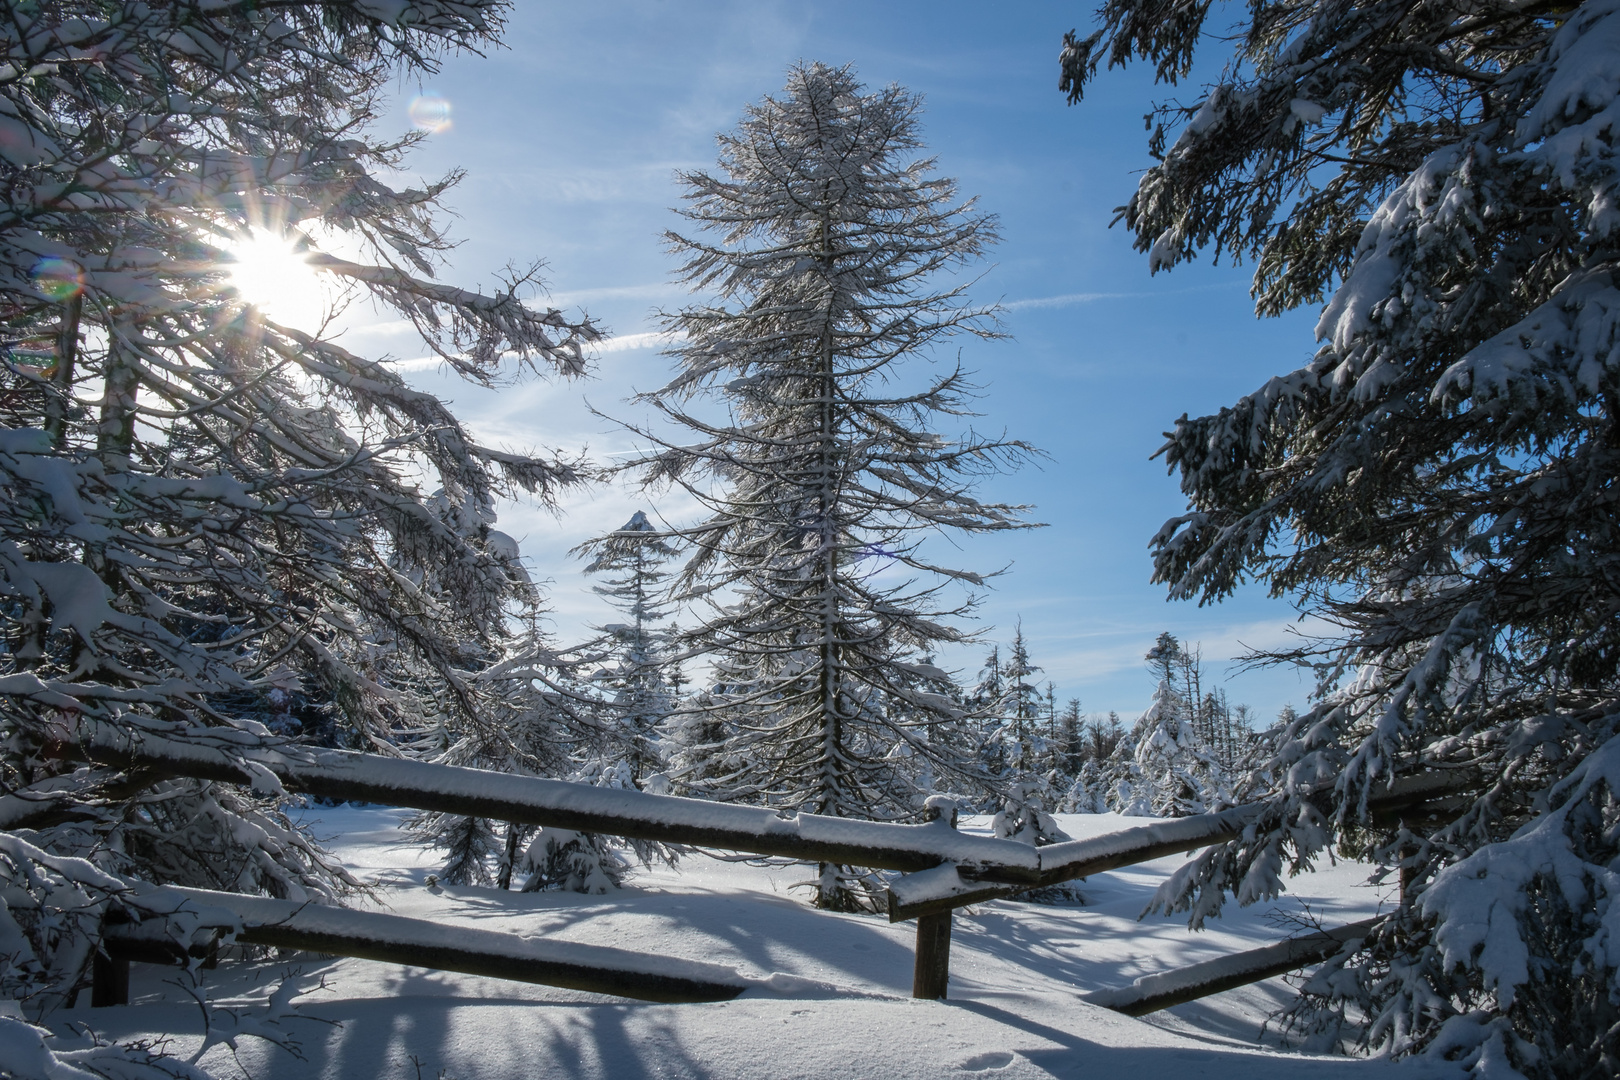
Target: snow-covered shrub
1086	794
572	861
1023	816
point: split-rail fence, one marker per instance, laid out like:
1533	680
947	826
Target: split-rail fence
942	870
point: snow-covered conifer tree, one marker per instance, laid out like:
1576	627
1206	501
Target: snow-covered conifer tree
988	701
1071	740
1017	753
1024	702
1175	771
1125	789
1024	815
1052	735
822	473
199	507
1437	481
634	554
989	693
468	843
1086	794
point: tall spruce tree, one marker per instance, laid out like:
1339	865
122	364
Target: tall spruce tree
822	475
1438	481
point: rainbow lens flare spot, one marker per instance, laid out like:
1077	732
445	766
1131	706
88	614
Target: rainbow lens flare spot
59	279
431	112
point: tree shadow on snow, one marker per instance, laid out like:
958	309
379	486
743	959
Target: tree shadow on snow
1075	1057
757	933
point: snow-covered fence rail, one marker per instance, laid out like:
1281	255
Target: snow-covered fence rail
258	920
1150	993
341	774
945	869
946	887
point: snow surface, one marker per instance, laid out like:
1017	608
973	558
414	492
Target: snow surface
835	995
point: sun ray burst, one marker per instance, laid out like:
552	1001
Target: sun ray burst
270	272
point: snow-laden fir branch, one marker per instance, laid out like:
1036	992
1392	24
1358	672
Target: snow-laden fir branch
1437	482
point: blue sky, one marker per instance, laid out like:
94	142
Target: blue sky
570	138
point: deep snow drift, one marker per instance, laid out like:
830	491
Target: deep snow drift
840	1006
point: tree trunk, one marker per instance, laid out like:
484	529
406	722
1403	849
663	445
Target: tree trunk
830	891
60	394
115	435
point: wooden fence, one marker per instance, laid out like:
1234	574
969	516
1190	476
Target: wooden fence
943	869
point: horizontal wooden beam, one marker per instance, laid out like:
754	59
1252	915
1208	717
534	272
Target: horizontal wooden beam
901	910
394	939
1172	836
1075	859
1154	992
988	867
339	774
1078	859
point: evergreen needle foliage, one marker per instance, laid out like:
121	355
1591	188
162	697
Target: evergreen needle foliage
634	556
202	510
819	236
1439	481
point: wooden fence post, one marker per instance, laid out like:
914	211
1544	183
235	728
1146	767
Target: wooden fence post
933	967
933	956
109	979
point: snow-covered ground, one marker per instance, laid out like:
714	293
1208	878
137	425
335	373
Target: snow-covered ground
1017	971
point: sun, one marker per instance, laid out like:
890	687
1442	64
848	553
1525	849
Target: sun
269	272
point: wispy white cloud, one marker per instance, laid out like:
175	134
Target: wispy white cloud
385	328
1096	654
1070	299
418	363
652	339
649	291
645	182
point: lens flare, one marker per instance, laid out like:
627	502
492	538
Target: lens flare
268	272
36	356
431	112
59	279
